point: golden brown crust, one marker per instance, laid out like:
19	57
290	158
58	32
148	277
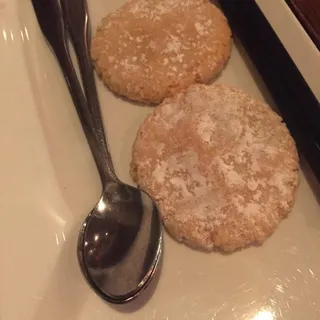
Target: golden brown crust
221	165
151	49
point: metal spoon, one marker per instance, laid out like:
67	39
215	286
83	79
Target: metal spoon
120	242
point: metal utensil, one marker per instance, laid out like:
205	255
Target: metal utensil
120	242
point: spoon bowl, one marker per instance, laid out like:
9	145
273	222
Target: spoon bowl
119	245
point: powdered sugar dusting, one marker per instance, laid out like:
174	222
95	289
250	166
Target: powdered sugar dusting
150	49
173	44
177	163
231	176
184	182
228	172
252	209
153	10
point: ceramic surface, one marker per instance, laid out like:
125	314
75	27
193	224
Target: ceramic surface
49	183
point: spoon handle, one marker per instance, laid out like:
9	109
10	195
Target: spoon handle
76	16
50	19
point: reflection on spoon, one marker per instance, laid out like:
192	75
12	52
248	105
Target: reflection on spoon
120	242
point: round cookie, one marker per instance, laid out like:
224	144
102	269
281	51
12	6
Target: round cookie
221	165
151	49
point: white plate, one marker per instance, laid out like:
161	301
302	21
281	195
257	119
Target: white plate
49	183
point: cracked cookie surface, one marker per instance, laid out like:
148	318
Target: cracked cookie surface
220	164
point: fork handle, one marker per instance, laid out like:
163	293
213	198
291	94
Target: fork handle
76	15
50	18
79	100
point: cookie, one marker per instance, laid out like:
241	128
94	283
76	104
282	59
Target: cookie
221	165
151	49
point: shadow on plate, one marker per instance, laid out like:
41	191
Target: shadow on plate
65	294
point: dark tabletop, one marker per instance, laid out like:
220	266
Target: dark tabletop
308	13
